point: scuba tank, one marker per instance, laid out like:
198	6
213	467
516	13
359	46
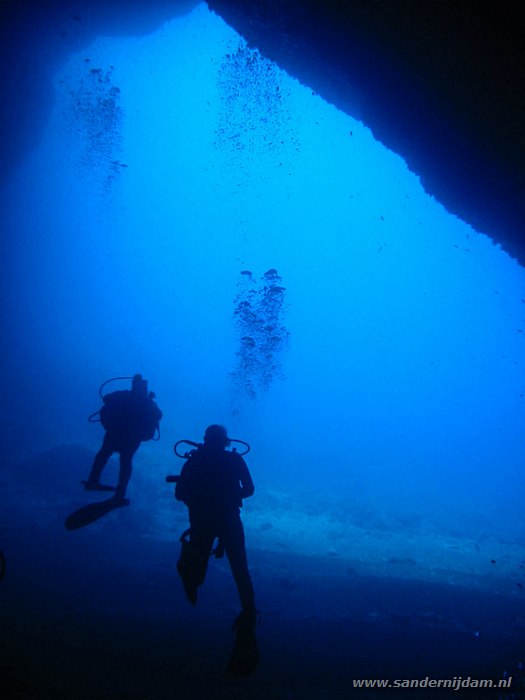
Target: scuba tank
115	402
95	417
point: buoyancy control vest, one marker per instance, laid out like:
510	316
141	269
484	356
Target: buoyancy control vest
131	413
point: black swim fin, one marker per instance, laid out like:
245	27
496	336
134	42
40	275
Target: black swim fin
90	486
245	655
92	512
192	565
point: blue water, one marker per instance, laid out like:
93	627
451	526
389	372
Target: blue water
376	369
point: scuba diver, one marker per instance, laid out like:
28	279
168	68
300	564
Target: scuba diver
129	417
213	483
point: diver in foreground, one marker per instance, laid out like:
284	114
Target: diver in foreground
129	417
213	483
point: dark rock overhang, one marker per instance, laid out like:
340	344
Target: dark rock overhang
440	82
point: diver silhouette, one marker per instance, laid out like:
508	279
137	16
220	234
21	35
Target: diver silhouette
129	417
213	483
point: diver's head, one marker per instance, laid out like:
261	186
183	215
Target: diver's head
139	384
216	437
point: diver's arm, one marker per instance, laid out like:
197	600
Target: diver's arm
181	489
246	481
179	492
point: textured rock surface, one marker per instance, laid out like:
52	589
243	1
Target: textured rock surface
440	82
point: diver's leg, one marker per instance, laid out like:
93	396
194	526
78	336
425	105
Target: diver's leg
234	546
245	654
100	461
126	467
195	554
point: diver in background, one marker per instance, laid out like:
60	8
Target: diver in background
129	418
213	482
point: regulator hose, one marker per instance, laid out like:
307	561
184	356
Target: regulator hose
247	447
113	379
185	455
93	417
186	442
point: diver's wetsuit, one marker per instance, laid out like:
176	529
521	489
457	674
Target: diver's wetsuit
129	418
212	484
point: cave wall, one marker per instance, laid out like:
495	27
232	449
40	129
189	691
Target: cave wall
441	83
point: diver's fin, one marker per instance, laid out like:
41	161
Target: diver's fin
92	512
90	486
245	655
192	565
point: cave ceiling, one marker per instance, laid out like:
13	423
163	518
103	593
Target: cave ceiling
440	82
